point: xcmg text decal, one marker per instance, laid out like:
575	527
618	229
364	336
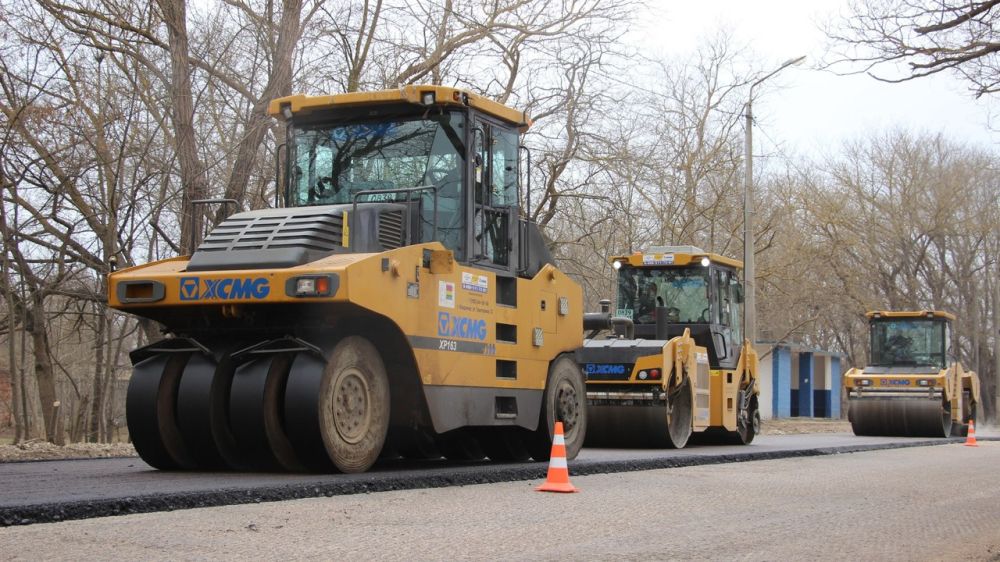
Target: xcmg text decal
455	326
196	288
600	369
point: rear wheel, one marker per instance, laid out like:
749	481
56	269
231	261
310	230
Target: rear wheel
748	423
961	429
354	405
461	445
504	444
565	400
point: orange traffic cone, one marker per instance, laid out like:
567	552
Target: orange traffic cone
557	479
970	441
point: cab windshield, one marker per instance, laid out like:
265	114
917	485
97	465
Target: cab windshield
909	342
331	163
683	291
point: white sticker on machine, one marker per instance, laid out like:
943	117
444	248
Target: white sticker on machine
446	294
658	259
475	283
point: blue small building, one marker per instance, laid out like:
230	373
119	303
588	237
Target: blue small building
797	381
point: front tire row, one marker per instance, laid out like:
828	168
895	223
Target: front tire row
284	407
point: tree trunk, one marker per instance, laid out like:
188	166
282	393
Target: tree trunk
96	390
279	83
996	346
193	184
44	374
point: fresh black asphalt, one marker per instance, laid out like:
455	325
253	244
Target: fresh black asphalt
49	491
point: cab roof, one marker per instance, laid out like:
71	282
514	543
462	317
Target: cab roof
443	96
910	314
659	256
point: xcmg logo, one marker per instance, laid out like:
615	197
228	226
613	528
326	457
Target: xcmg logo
894	382
599	369
195	288
455	326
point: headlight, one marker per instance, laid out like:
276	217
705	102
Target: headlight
863	382
311	286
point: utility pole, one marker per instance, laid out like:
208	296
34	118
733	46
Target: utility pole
749	279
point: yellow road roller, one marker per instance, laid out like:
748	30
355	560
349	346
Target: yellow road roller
912	386
397	304
673	362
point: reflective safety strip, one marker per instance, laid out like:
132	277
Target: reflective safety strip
558	462
559	440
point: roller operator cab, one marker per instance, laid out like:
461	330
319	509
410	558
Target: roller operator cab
913	386
397	305
673	361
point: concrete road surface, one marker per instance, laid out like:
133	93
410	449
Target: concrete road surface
923	503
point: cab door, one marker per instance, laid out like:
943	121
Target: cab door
725	317
494	209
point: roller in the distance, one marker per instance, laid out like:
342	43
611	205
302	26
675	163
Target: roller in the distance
398	304
668	363
912	385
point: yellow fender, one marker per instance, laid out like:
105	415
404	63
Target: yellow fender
678	353
746	367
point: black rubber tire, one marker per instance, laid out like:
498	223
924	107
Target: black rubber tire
150	412
962	429
354	405
565	400
302	423
255	413
679	421
745	434
196	402
504	444
461	445
415	444
225	441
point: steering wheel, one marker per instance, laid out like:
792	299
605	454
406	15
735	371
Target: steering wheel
704	316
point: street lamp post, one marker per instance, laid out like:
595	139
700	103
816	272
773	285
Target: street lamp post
749	281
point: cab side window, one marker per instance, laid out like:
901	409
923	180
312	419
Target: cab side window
736	307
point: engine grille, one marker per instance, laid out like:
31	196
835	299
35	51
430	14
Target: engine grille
390	229
314	231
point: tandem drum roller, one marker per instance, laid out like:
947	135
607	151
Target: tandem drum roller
904	417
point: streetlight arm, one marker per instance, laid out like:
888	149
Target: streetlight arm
783	66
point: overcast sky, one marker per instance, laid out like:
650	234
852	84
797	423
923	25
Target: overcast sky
809	111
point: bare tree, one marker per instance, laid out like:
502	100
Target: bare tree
899	40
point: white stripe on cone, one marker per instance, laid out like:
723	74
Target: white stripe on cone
558	440
558	462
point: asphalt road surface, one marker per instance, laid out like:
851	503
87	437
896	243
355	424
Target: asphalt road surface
914	503
49	491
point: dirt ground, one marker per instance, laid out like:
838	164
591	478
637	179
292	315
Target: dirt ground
35	450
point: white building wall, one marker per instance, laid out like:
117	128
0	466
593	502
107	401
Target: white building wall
765	380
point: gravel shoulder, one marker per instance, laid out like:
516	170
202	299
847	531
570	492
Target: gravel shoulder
37	450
